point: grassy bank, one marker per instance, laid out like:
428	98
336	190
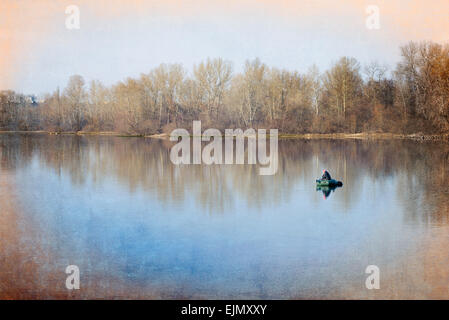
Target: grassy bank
365	135
307	136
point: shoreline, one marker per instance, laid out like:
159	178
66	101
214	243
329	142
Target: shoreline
282	136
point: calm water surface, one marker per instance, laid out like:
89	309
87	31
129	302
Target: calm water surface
139	227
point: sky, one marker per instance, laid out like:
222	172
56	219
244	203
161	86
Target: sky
124	38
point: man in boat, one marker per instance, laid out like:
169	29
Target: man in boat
326	175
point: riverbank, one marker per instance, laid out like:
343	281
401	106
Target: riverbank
306	136
366	135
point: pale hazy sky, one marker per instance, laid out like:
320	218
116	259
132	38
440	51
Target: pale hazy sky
119	38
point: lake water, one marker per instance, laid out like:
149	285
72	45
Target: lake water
138	226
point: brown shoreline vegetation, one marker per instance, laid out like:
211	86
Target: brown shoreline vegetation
304	136
346	99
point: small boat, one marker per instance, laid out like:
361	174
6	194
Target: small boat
328	183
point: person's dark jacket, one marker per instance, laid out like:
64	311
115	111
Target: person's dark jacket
326	176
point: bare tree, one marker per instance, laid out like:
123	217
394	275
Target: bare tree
212	78
343	83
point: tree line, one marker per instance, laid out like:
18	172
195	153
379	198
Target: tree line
412	97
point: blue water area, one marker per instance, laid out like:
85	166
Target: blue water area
122	212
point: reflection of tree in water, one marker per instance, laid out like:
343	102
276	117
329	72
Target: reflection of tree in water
420	167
